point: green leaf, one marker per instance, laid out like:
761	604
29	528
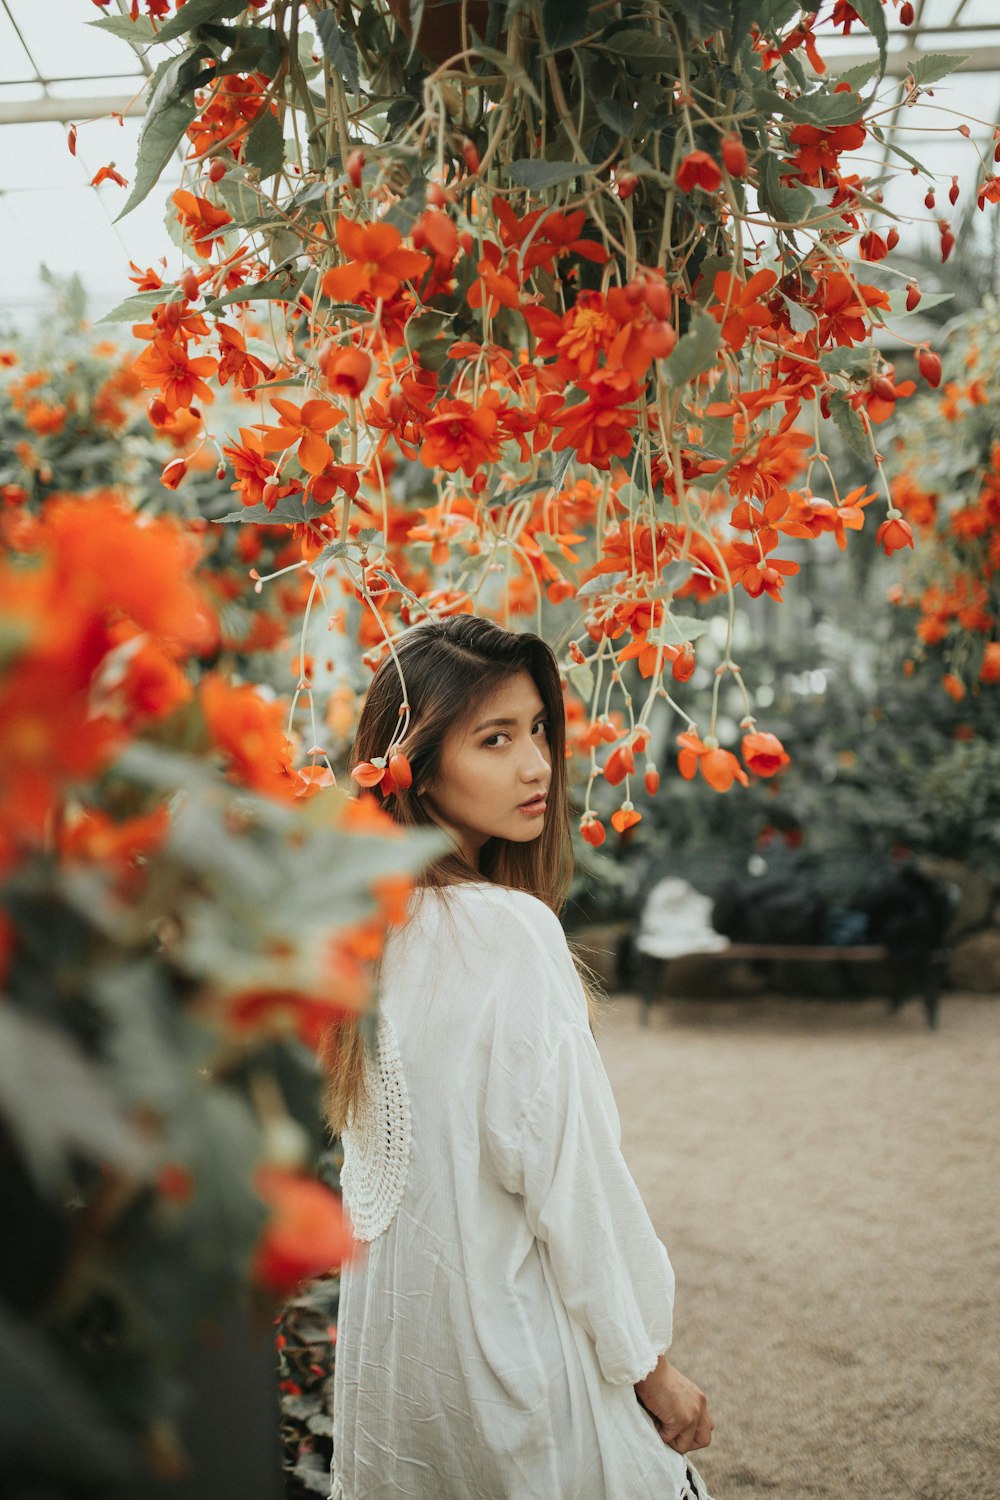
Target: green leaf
339	49
936	65
265	145
139	30
194	12
642	46
898	150
531	173
927	301
136	308
275	289
564	22
850	426
676	630
519	492
695	353
705	17
560	469
328	554
845	361
582	680
860	74
288	511
820	108
618	115
168	115
789	205
56	1102
600	584
873	16
406	212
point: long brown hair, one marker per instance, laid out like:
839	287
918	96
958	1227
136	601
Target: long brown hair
451	667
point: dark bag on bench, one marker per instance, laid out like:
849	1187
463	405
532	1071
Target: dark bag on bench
775	909
908	911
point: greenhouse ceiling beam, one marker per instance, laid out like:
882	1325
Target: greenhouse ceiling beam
68	111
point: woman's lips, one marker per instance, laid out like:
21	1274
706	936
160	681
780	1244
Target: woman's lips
534	808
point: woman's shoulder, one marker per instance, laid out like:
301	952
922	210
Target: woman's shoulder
503	909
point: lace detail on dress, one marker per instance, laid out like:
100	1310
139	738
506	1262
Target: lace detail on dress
377	1143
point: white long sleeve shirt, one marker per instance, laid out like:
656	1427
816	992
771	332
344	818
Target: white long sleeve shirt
511	1289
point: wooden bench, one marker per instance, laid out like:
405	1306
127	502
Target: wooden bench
924	975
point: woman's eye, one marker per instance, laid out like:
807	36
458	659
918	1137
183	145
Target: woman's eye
488	744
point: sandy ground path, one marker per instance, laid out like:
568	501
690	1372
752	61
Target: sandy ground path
826	1178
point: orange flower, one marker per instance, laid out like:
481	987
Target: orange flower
366	773
740	305
236	363
250	733
990	669
495	287
600	427
460	435
201	219
377	262
953	686
251	466
108	174
94	838
306	1235
346	370
720	768
625	817
165	367
303	425
764	754
894	534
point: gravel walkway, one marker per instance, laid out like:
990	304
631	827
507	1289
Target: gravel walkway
825	1177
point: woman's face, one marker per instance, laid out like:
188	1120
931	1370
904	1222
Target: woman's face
491	765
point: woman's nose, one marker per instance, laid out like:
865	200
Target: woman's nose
537	759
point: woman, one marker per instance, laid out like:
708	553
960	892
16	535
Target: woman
503	1336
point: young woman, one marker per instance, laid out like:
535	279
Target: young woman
504	1334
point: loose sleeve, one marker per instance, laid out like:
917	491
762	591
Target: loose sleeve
555	1136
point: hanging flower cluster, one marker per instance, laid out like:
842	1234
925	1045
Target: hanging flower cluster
945	490
598	310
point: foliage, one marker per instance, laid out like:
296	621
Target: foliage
549	288
881	763
946	483
180	918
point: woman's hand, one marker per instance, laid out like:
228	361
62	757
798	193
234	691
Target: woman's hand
678	1407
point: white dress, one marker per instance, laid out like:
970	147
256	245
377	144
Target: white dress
511	1289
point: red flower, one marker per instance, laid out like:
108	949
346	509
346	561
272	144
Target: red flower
619	764
306	1235
764	754
698	169
592	831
